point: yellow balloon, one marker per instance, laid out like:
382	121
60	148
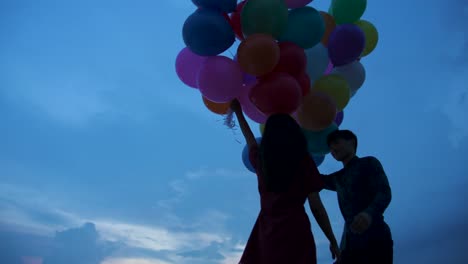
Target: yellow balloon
262	128
372	36
336	87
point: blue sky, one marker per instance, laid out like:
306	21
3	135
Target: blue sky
97	128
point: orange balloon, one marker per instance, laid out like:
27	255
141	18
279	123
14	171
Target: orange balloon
330	25
258	54
217	108
317	111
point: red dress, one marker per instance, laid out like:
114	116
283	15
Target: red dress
282	233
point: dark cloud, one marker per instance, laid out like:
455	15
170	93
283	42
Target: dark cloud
73	246
444	242
79	246
454	21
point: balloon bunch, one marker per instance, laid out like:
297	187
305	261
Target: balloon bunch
291	59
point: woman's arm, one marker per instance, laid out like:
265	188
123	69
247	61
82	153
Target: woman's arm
321	216
248	134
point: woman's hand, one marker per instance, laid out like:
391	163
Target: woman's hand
335	251
236	106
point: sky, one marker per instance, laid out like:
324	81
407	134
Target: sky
106	157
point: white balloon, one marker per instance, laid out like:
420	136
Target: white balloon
354	73
317	61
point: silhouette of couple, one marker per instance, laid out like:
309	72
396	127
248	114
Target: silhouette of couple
288	176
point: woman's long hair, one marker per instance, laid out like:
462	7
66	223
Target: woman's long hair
282	149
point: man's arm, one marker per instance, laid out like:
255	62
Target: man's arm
379	181
330	180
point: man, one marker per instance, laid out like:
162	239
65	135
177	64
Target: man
363	195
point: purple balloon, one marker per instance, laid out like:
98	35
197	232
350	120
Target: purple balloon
339	118
220	79
248	79
346	44
188	64
329	68
250	110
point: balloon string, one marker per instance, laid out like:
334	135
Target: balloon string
229	120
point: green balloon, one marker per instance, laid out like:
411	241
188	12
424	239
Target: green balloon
347	11
264	16
317	141
305	27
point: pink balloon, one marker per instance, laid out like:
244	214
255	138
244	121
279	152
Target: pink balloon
220	79
297	3
188	64
249	109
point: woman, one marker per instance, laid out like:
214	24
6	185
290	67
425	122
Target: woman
287	176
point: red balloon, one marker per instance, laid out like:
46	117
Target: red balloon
292	59
276	93
236	20
304	81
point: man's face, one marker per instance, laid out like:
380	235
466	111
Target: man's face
342	149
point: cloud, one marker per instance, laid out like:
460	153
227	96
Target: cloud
198	240
156	238
456	110
444	242
134	261
454	21
79	245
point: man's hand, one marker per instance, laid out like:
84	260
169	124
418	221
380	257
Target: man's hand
361	223
236	106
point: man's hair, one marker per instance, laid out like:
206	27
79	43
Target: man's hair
342	134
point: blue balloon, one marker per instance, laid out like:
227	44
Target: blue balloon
227	6
317	140
245	156
207	33
318	159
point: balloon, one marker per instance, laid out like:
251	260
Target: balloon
354	73
318	159
305	27
317	140
339	118
207	33
258	54
292	59
317	111
249	109
297	3
329	68
262	128
248	78
236	20
317	61
304	81
336	87
264	16
220	79
346	44
217	108
276	93
227	6
188	65
371	35
246	158
347	11
330	25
